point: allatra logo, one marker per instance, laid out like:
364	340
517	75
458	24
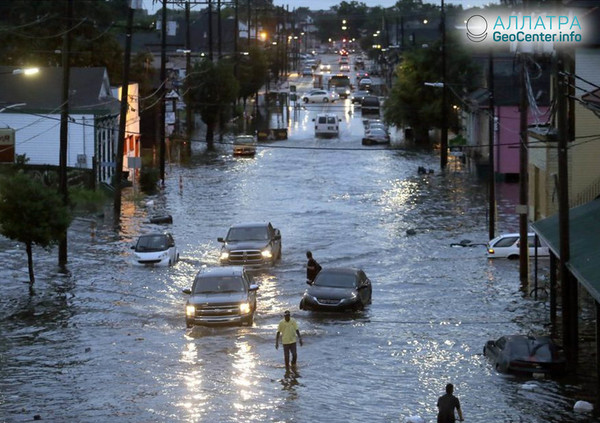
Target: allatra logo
477	28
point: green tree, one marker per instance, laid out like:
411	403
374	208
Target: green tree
412	103
252	72
33	33
212	88
31	213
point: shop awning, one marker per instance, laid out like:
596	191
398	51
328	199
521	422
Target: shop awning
584	226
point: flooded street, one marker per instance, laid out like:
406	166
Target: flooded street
108	342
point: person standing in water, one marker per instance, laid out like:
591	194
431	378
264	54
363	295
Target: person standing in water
288	329
312	268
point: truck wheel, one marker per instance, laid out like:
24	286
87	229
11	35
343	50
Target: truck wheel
305	99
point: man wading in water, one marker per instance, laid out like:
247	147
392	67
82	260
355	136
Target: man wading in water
288	328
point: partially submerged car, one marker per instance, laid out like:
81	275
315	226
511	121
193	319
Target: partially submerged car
221	295
526	354
254	245
157	249
244	145
508	246
338	289
376	136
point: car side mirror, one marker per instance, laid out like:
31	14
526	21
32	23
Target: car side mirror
313	120
187	291
253	287
220	239
339	120
133	247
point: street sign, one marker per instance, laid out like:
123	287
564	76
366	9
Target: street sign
134	162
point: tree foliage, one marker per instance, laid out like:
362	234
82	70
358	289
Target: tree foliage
411	103
31	213
212	90
33	33
252	72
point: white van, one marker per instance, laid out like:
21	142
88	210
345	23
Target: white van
508	246
327	125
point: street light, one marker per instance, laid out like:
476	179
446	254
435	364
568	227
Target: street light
10	106
23	71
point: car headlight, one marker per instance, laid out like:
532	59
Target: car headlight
190	310
245	308
224	255
266	253
490	251
347	91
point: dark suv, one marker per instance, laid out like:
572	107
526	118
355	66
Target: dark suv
253	245
370	105
221	295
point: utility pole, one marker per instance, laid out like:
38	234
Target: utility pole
249	20
569	287
444	137
491	147
64	127
523	180
188	69
219	32
210	37
163	90
123	117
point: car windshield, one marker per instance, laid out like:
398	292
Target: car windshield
149	243
258	233
335	279
526	348
205	285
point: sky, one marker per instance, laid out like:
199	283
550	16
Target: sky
153	6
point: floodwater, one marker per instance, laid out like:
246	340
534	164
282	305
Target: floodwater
108	343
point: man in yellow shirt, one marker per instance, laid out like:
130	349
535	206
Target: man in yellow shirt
288	328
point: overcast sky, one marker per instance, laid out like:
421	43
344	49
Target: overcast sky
154	5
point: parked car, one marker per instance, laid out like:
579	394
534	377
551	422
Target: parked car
508	246
357	96
244	145
376	136
157	249
526	354
307	71
370	105
327	125
254	245
320	96
221	295
338	289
